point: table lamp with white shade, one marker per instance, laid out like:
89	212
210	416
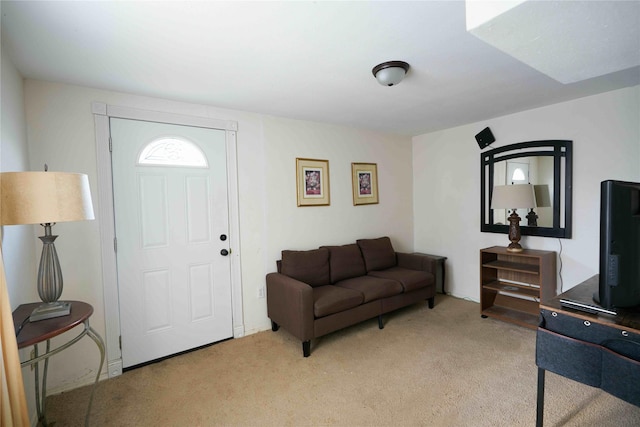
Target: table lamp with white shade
513	197
45	198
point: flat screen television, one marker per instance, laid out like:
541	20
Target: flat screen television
619	280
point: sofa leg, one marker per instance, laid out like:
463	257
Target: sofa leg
380	324
306	348
431	301
274	326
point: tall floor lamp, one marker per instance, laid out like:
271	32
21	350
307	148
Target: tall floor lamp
45	198
513	197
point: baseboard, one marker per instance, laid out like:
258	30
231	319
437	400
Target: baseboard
114	368
238	331
72	386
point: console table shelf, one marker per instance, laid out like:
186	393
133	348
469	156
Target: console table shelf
513	283
514	288
511	315
513	266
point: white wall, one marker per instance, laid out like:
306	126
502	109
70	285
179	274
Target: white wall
19	257
342	222
61	134
605	131
18	241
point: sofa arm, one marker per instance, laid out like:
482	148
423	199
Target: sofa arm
290	305
417	262
433	264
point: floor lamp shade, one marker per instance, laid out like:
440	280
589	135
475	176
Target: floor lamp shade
542	196
542	201
45	198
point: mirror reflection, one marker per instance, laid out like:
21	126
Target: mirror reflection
536	170
544	164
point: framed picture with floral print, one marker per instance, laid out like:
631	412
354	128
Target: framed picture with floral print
312	182
364	178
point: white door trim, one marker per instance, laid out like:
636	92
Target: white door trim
102	113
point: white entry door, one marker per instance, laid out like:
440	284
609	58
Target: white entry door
171	221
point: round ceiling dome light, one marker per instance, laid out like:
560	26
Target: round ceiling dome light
390	73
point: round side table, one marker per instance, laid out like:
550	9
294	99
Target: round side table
33	333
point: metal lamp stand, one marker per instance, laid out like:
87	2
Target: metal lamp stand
49	281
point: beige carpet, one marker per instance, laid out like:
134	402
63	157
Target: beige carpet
440	367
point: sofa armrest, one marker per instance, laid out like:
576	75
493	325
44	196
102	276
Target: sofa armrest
415	261
290	305
434	264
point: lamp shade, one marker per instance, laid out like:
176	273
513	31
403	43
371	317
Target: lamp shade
513	196
44	197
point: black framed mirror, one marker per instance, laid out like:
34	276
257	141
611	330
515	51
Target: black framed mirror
547	165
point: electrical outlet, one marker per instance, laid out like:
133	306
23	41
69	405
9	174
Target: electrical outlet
261	292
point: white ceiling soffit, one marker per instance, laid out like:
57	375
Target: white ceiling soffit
568	41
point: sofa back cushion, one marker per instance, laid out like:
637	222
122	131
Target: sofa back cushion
310	267
345	262
378	253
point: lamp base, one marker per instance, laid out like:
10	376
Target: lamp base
514	232
514	247
49	310
532	219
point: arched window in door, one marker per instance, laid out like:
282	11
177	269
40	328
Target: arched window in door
518	175
172	151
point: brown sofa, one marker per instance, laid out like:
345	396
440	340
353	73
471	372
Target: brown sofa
319	291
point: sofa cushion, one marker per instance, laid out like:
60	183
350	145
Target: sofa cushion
333	299
311	267
410	279
345	262
378	253
372	288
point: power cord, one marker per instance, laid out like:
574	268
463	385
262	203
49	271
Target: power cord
21	325
560	270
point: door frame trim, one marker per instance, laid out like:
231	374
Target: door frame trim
102	112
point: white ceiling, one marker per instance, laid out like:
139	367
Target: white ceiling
567	40
313	60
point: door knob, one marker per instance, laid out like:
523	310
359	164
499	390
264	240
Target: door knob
224	252
223	237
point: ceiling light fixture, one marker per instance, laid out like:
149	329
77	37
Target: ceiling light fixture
390	73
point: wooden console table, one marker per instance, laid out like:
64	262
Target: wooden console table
33	333
599	350
513	283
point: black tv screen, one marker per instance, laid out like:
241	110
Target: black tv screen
619	281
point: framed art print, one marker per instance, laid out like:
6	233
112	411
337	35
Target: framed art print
312	182
365	183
